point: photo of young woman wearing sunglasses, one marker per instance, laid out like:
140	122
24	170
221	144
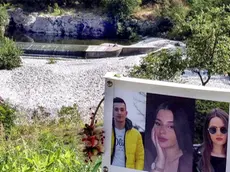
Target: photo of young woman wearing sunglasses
212	155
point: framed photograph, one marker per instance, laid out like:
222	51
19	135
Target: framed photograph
157	126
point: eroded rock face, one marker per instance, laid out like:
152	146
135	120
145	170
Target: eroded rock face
79	24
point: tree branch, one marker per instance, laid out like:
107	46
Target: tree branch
209	77
199	74
94	114
213	50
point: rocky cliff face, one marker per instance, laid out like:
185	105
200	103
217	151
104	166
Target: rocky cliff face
79	24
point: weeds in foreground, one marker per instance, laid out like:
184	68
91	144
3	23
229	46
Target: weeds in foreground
50	146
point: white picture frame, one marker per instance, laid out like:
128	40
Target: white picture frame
113	82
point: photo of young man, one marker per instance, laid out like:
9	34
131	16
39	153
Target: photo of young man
127	148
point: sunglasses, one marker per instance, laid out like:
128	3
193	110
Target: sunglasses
213	130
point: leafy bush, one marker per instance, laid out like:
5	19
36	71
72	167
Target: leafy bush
198	5
207	47
124	31
163	65
9	54
181	12
121	9
176	11
7	116
69	114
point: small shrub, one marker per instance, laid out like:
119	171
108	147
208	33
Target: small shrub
40	115
126	32
121	9
9	54
176	12
69	114
7	116
52	61
163	65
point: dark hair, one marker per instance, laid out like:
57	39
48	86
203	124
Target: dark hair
119	100
181	126
207	143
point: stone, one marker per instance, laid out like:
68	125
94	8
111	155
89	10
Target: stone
79	24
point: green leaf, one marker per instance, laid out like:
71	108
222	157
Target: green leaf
118	75
96	167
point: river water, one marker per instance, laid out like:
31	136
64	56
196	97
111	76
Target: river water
20	36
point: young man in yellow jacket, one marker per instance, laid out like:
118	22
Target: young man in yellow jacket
127	148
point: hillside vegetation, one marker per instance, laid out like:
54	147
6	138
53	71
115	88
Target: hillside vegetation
39	144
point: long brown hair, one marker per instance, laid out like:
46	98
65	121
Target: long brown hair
207	144
181	125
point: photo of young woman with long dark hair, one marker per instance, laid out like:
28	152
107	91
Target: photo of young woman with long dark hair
172	139
213	152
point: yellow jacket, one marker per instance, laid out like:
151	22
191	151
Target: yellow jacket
134	149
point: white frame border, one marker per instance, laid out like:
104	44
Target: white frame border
157	87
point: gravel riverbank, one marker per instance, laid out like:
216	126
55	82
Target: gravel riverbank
66	82
71	81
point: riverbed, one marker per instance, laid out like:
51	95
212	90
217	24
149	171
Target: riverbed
68	81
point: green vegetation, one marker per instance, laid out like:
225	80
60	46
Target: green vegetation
9	54
119	11
207	46
70	114
204	27
7	116
44	144
122	9
51	60
163	65
57	11
3	20
39	5
176	12
53	145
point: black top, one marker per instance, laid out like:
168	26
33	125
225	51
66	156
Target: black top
219	164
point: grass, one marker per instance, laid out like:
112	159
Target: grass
51	60
45	145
